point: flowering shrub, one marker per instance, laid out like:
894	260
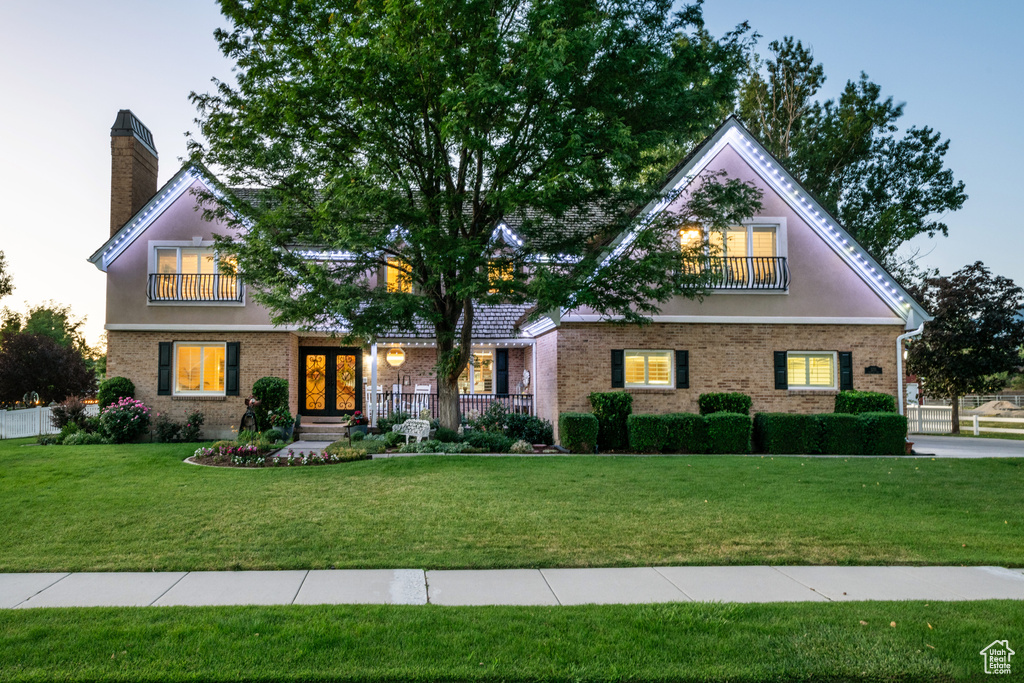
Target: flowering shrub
521	447
125	420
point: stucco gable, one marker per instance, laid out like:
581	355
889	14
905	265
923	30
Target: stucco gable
774	178
174	188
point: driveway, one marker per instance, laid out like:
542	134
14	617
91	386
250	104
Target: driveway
966	447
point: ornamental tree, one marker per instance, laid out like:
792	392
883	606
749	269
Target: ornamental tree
36	362
883	188
404	132
977	333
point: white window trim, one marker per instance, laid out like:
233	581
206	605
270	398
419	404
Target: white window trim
778	223
646	384
194	243
470	368
201	392
805	387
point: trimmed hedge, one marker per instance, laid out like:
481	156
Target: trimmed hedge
684	433
578	432
729	432
646	433
113	390
857	402
612	409
733	402
884	433
840	434
786	434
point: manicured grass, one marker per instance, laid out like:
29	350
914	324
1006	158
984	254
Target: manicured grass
140	508
678	642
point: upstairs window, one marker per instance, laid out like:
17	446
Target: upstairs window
498	271
397	279
193	274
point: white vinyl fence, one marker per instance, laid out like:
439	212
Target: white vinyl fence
16	424
939	420
929	419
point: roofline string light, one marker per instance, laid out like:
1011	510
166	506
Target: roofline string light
813	216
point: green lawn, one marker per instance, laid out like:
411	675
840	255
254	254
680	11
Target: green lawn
140	508
677	642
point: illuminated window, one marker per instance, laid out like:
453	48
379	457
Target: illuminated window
648	368
194	274
498	271
811	370
398	279
478	376
199	368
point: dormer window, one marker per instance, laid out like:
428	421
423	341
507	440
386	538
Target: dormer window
498	271
397	278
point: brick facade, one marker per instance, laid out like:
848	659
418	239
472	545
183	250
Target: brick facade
133	176
261	354
723	357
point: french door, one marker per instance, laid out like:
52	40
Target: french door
331	380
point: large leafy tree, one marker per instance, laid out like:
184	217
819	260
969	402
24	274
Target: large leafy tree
49	319
977	334
403	132
885	189
36	362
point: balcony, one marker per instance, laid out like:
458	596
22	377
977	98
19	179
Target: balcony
742	272
199	288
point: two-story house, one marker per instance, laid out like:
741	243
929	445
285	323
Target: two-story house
799	311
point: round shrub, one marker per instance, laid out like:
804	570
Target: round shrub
447	435
519	426
489	442
358	436
125	420
114	389
578	432
724	402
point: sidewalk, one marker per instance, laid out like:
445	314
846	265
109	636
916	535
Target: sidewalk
510	586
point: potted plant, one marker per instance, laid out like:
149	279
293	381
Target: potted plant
283	420
357	423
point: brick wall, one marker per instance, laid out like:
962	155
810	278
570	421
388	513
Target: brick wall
261	354
723	357
545	383
133	175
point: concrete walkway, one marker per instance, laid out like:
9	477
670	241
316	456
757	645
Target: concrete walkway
510	586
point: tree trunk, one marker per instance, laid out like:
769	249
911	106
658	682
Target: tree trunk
956	415
448	404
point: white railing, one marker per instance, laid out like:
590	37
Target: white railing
929	419
17	424
939	420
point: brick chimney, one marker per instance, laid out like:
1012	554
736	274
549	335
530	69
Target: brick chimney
133	168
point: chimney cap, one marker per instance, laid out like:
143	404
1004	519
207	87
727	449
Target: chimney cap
128	124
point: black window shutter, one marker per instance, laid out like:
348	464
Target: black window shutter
231	369
845	371
164	365
781	371
501	370
682	369
618	368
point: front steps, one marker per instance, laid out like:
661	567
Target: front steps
322	428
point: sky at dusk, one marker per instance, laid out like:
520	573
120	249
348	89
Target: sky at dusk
69	66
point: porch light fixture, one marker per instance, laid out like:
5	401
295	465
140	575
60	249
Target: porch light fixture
395	357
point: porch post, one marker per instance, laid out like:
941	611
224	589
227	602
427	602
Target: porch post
373	384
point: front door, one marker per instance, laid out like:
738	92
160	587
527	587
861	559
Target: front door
331	380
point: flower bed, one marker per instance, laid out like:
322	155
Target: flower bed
251	456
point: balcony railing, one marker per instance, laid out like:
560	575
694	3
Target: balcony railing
469	404
741	272
179	287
